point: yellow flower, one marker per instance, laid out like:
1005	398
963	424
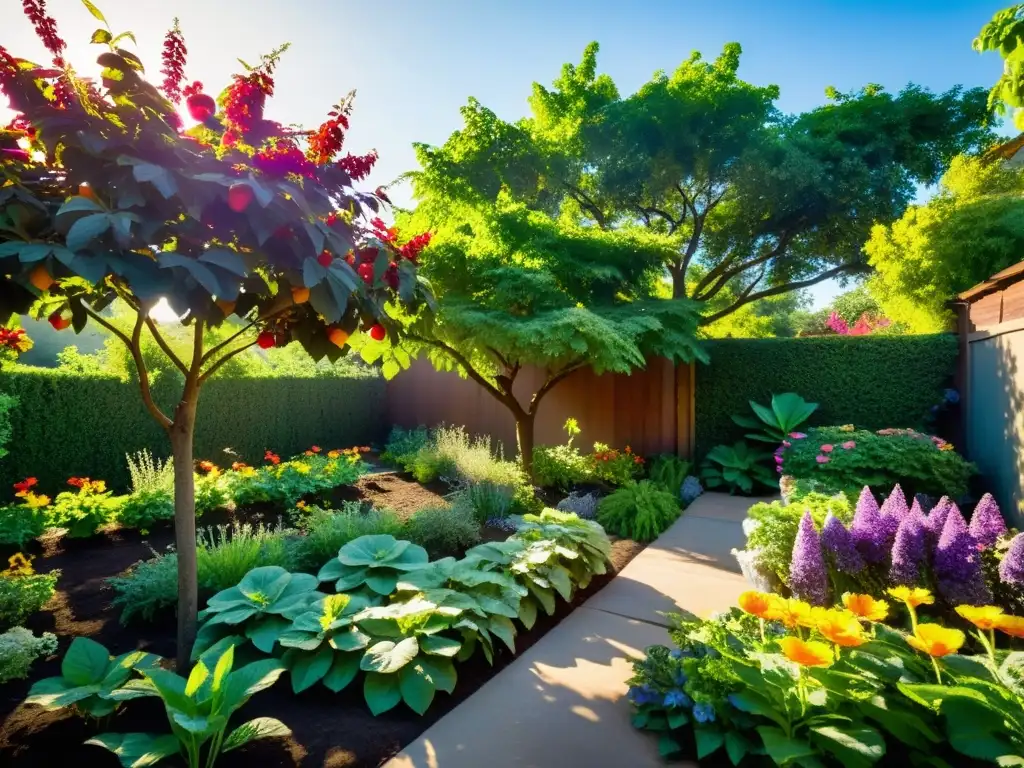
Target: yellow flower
300	504
865	606
1011	625
936	640
983	617
98	486
19	565
912	596
759	604
807	654
841	628
334	454
36	500
793	613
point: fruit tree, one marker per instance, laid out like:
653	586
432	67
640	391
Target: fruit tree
105	195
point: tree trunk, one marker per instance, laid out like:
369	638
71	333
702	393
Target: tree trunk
524	439
181	433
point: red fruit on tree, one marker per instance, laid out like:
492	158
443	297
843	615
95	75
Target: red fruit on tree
239	197
59	321
378	332
366	272
266	340
325	258
201	107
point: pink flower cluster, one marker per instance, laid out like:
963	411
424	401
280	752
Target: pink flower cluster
827	448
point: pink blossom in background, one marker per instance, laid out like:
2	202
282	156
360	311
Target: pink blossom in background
821	459
849	445
827	448
797	435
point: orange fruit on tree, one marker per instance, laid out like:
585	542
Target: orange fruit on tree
300	295
338	337
40	278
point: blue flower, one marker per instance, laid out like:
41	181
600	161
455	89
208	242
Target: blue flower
952	396
703	713
679	678
641	695
676	654
677	698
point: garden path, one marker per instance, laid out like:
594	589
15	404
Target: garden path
563	702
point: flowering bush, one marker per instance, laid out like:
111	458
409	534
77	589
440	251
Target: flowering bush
614	466
19	648
19	523
286	482
809	685
23	591
561	466
843	459
83	511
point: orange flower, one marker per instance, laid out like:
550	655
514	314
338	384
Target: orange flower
1011	625
308	453
912	596
936	640
841	628
759	604
315	449
334	454
983	617
239	465
272	457
793	613
865	606
78	482
25	484
807	653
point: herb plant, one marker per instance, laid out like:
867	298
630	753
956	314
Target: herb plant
639	511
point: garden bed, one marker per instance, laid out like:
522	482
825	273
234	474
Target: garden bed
328	729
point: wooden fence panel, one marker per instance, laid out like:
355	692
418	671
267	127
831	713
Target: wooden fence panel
639	410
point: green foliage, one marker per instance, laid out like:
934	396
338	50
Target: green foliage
775	533
444	530
287	482
918	462
152	491
147	590
19	648
23	594
452	455
613	466
486	501
402	446
738	467
839	372
969	231
376	562
668	472
8	405
327	530
788	412
83	511
1003	34
55	426
20	523
560	466
639	511
199	709
90	679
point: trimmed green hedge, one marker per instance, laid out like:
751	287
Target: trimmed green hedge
70	425
871	381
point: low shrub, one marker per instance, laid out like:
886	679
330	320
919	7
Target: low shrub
782	680
23	592
144	509
149	588
560	466
738	468
444	531
583	506
668	472
327	530
83	511
19	648
453	456
20	523
402	446
639	511
844	460
286	482
486	501
613	466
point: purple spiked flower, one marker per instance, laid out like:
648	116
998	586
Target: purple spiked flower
808	578
916	512
1011	569
869	530
987	523
895	504
958	564
908	552
838	542
936	519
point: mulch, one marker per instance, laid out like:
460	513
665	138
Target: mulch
328	729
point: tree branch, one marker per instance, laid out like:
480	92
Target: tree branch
673	225
109	326
778	289
722	273
215	349
505	399
213	368
161	342
581	197
552	380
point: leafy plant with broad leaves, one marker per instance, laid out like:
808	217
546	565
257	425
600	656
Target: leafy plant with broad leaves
373	562
198	709
737	467
264	602
640	511
323	644
90	679
668	472
787	413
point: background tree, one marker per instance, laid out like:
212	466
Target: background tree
516	287
971	229
755	203
104	197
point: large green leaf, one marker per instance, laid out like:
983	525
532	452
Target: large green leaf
137	750
417	687
343	671
852	746
352	640
266	632
86	662
87	229
56	693
172	689
387	657
250	679
265	584
708	740
309	668
381	692
782	748
439	646
791	411
382	580
440	670
257	728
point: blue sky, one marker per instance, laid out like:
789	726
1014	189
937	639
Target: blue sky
414	63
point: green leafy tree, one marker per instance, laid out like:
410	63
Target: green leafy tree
749	202
516	287
103	196
973	228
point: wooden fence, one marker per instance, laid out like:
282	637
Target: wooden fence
650	410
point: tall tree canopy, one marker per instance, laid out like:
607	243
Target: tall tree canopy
973	228
748	201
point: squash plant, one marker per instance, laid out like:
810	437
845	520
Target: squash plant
373	562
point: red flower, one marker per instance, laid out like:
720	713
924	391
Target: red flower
325	142
25	484
315	449
200	106
378	332
325	258
245	99
207	466
391	276
383	232
78	482
46	27
358	166
272	457
174	63
266	340
414	247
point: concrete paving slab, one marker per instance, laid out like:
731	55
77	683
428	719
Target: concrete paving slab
722	506
705	540
561	704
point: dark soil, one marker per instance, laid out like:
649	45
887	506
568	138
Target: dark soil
327	729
